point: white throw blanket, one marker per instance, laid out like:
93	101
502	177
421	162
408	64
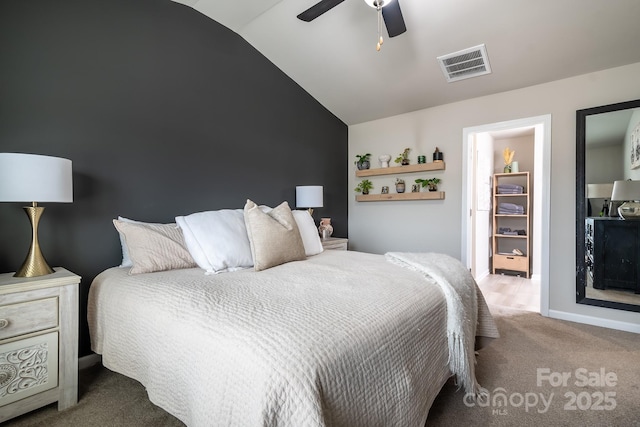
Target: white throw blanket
459	289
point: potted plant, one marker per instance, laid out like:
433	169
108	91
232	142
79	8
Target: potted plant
364	186
363	161
432	183
400	185
403	158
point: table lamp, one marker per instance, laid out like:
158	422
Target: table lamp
629	193
600	191
34	178
309	197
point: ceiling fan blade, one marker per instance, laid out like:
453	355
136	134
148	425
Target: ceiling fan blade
318	9
393	19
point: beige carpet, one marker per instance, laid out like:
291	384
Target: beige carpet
560	349
529	342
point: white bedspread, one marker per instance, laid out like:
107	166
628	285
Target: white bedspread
341	339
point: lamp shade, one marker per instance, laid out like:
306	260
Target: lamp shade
309	196
35	178
625	191
599	191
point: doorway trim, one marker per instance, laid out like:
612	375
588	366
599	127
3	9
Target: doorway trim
542	169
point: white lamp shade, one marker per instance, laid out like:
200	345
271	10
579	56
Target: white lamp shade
309	196
624	191
35	178
599	191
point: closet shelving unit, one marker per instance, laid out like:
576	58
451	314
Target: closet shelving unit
506	247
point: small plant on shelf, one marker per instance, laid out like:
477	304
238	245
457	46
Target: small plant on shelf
403	158
364	186
400	187
432	183
363	161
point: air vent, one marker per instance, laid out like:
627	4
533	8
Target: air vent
464	64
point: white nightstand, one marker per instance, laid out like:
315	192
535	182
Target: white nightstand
336	243
38	342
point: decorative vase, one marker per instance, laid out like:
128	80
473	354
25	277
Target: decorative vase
363	165
507	168
405	162
384	160
438	156
433	187
400	188
325	229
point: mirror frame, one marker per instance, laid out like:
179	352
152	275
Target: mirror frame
581	204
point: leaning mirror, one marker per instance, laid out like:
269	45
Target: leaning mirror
607	246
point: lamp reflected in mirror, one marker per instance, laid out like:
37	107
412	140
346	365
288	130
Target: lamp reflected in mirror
627	192
600	191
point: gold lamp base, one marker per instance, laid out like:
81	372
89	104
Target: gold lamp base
35	264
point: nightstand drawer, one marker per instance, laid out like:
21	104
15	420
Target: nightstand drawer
28	367
26	317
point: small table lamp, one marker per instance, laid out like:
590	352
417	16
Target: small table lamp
600	191
309	197
34	178
629	193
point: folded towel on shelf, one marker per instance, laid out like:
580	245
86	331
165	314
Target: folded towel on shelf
510	209
510	189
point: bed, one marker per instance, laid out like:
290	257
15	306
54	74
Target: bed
339	338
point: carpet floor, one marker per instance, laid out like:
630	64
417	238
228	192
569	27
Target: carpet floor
540	372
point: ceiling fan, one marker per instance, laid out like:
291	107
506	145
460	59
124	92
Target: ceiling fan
391	13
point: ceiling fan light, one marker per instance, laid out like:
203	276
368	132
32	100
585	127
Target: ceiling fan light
373	3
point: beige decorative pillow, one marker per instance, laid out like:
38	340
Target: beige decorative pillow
274	236
154	247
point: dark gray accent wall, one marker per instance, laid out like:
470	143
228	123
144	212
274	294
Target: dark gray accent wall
163	112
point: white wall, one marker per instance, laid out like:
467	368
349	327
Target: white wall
435	225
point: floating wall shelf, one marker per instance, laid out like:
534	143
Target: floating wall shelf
395	170
426	195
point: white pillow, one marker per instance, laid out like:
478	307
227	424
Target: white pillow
308	232
217	240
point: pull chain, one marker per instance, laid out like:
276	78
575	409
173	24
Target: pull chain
379	10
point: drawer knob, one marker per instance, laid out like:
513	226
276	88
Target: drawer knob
4	323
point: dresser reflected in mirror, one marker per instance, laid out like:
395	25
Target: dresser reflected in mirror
607	246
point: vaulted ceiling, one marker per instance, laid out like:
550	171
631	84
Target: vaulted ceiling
334	57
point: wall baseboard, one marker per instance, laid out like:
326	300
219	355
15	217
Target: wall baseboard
482	275
595	321
89	361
